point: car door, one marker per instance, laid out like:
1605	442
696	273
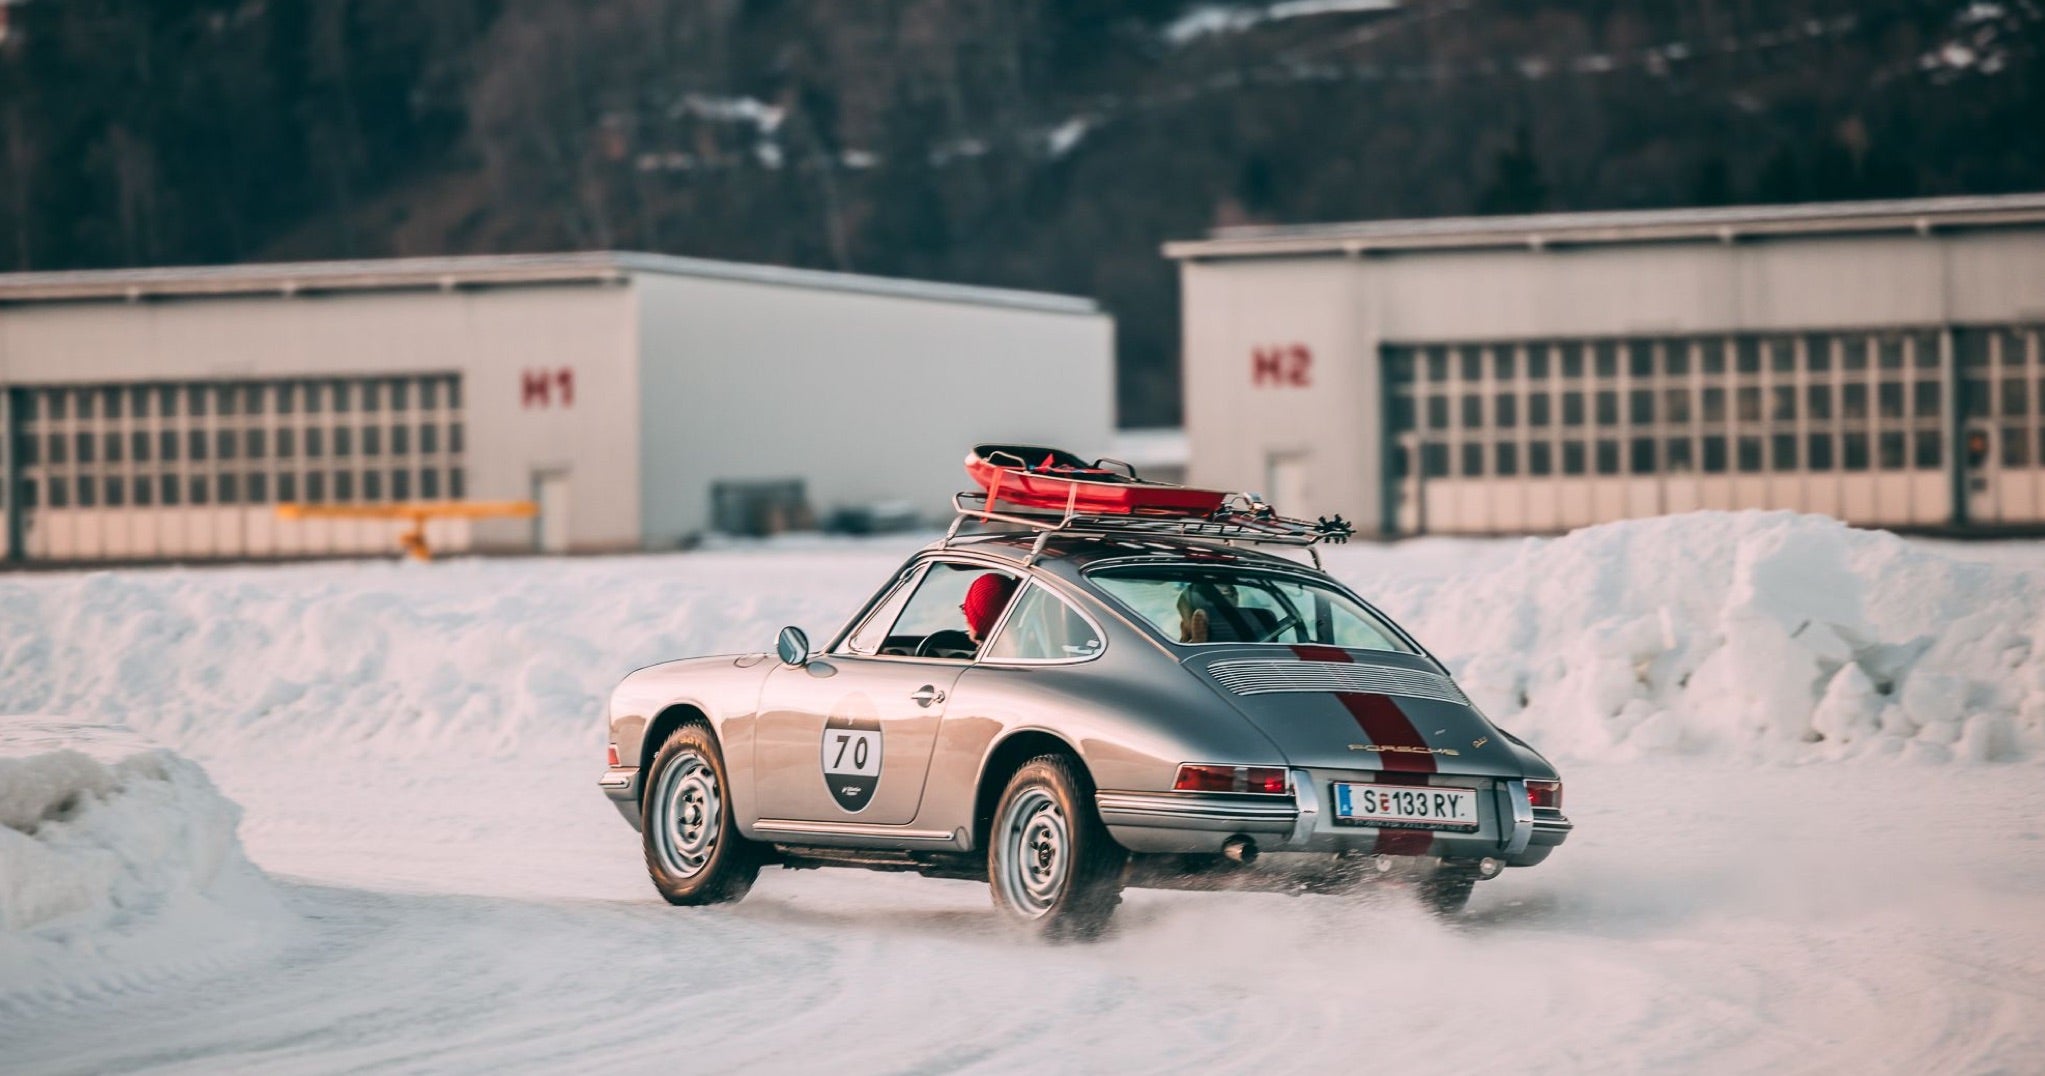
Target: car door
847	738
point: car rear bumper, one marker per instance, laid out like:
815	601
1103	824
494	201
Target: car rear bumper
621	785
1196	822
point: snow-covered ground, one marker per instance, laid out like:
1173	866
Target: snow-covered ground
1804	762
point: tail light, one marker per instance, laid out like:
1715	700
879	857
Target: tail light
612	754
1265	780
1545	794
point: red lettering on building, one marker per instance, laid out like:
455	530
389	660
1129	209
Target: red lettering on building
537	388
1282	366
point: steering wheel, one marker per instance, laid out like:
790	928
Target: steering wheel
946	644
1290	621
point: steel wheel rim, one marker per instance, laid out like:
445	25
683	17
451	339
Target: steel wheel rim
1033	858
690	813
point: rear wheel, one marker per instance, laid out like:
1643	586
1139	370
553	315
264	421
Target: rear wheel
1053	868
694	852
1447	893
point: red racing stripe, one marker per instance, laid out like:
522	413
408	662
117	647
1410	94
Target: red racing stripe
1385	725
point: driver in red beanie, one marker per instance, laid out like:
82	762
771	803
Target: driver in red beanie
985	600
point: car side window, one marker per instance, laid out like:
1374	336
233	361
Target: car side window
874	632
1043	628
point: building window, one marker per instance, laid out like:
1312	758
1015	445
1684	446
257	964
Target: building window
1608	457
316	487
1892	450
258	487
224	439
1473	460
1750	454
344	485
401	482
1506	459
1930	451
429	478
1714	455
1540	459
372	440
1785	452
1818	454
1643	455
1572	457
372	485
287	487
1853	450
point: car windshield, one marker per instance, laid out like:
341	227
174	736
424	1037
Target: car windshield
1208	605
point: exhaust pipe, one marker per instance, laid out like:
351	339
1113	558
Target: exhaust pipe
1239	849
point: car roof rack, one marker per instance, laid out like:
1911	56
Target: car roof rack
1242	518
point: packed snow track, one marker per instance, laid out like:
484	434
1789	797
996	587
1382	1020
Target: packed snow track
1840	872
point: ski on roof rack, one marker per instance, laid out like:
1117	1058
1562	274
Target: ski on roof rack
1241	518
1051	491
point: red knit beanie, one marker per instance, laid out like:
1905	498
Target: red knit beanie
984	601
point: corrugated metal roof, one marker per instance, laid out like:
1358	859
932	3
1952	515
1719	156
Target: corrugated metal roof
481	271
1727	224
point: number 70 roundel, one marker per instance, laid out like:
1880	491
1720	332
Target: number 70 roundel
851	758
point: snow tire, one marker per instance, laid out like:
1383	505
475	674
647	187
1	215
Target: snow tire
694	852
1054	870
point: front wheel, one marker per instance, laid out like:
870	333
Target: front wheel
694	852
1053	868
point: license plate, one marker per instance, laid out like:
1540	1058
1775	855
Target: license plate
1405	807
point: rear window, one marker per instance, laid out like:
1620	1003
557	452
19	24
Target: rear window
1214	605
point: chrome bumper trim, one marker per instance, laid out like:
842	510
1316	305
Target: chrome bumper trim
1521	811
620	783
1306	791
1197	810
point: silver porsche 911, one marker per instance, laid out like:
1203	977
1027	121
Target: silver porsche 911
1065	711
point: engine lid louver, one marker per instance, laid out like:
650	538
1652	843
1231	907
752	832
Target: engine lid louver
1262	677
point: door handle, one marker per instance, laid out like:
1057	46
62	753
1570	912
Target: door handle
927	695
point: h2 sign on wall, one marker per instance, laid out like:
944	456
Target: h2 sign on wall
1288	366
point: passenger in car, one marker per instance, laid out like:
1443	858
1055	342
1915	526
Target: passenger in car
985	600
1208	613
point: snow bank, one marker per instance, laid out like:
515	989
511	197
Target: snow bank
491	657
118	862
1753	635
1745	635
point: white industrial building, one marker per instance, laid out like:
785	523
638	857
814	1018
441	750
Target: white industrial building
164	413
1880	362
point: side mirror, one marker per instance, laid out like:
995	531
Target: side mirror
793	646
